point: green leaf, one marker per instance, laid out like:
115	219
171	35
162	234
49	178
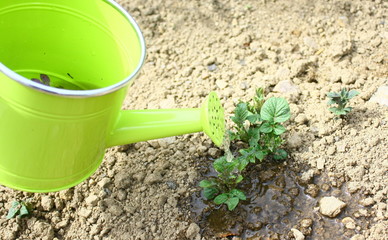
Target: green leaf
238	193
206	183
13	211
333	95
275	110
280	154
232	203
266	127
253	118
352	93
243	163
23	210
279	129
220	199
348	109
240	113
260	155
239	178
210	192
254	136
222	165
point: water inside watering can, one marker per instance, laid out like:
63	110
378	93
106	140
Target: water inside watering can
56	80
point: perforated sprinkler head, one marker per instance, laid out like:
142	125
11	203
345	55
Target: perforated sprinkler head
212	119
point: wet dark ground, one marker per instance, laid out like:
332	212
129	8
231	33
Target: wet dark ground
278	200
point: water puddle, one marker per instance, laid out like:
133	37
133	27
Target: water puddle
276	202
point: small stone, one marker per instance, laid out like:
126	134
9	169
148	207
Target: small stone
115	209
353	186
297	234
312	190
380	96
331	150
286	86
172	185
307	177
358	237
321	163
152	178
295	140
294	191
221	84
91	200
349	223
47	203
331	206
367	202
164	142
214	152
307	222
45	230
192	231
154	143
122	180
104	182
84	212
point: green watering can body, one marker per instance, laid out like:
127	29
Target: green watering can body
54	137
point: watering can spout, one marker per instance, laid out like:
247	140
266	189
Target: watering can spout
142	125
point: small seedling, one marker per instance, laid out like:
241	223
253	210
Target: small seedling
223	188
19	209
259	125
341	99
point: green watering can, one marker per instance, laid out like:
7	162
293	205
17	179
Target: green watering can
81	56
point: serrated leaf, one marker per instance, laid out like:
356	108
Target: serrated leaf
210	192
23	210
348	109
232	203
243	163
352	93
254	136
253	118
260	155
239	178
275	110
279	129
221	165
206	183
13	211
220	199
238	193
266	127
280	154
333	95
240	113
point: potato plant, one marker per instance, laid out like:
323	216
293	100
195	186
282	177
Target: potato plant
259	125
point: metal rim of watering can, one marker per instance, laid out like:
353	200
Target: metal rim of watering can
86	93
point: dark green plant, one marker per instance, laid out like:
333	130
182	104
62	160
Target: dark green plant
259	125
341	99
19	209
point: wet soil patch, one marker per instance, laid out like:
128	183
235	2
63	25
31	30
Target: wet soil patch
280	198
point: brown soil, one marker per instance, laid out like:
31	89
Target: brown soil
144	190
